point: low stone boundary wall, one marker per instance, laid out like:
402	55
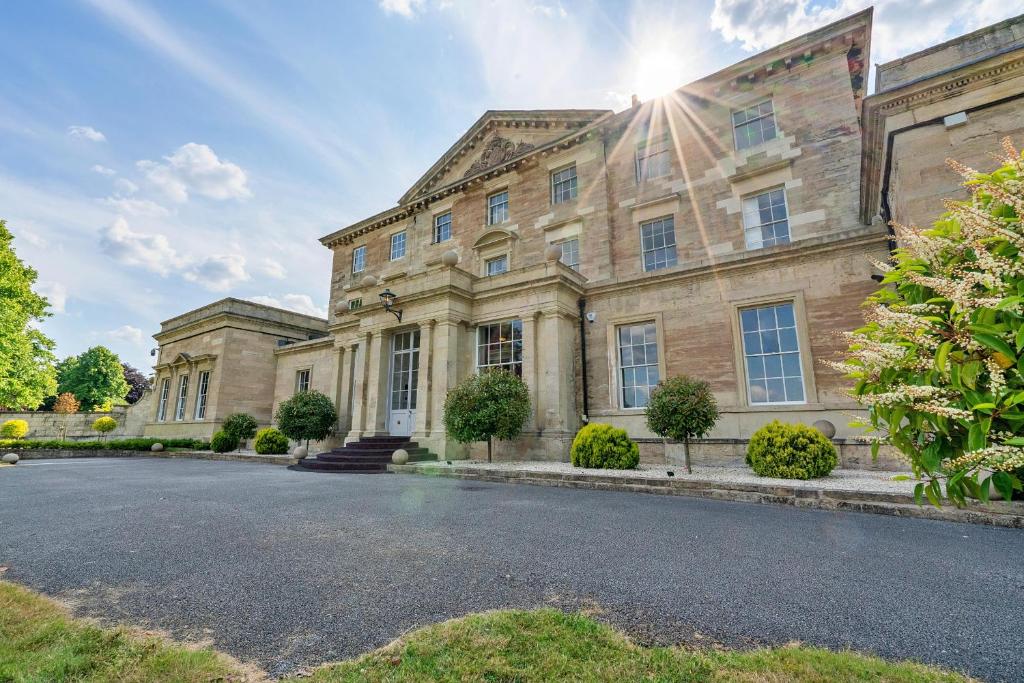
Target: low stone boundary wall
996	513
54	453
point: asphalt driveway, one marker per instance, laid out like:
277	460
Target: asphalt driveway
292	569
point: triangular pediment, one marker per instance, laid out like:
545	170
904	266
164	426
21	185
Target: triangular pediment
497	138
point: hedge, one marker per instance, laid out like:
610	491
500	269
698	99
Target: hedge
138	444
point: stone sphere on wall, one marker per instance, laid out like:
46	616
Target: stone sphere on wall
450	258
299	452
400	456
553	252
369	281
11	458
826	428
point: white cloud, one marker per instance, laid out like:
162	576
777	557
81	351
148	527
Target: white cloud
55	292
405	8
196	168
152	252
300	303
218	273
137	207
125	187
128	334
86	133
271	268
103	170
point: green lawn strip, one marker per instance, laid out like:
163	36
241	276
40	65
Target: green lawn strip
39	642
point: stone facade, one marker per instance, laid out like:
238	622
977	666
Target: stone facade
723	231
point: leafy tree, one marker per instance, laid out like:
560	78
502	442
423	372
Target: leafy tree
306	416
95	377
940	362
137	383
104	424
65	404
27	372
682	409
492	405
242	425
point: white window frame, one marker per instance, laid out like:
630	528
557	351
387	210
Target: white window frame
657	149
485	348
359	257
501	258
492	205
752	220
758	118
564	190
438	237
306	373
202	389
165	395
644	250
398	239
182	398
562	244
760	354
622	368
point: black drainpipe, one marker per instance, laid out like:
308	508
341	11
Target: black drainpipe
582	303
884	209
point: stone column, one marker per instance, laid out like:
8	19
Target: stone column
343	390
530	357
359	381
424	382
557	378
447	347
378	364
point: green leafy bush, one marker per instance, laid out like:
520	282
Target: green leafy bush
137	444
790	451
604	446
940	363
492	405
681	409
270	441
242	425
308	415
14	429
104	424
222	442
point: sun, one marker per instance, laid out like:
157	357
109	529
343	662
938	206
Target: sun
659	72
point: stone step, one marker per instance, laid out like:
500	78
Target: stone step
353	467
426	456
374	451
378	446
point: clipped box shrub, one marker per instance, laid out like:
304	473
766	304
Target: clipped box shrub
223	441
14	429
790	451
604	446
270	441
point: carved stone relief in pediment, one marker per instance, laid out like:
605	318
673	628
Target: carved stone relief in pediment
497	151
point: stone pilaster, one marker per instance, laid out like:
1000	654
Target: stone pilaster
425	382
359	387
378	365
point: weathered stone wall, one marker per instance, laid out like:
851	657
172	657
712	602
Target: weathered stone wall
47	425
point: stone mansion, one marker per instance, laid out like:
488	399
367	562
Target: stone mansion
723	231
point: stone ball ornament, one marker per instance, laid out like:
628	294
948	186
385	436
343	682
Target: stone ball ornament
826	428
450	258
369	281
299	452
157	447
10	458
400	456
553	252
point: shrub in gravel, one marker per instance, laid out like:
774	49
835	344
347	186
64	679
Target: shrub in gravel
270	441
488	406
790	451
308	415
14	429
242	425
682	409
604	446
104	424
223	441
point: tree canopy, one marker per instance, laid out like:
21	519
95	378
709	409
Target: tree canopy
137	383
682	408
95	377
308	415
490	405
27	373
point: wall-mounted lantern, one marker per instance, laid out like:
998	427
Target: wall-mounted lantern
388	299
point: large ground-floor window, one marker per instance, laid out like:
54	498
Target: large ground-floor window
638	363
771	351
500	345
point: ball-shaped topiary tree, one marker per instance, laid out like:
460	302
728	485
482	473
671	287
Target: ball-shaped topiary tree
488	406
104	425
14	429
940	363
681	408
242	425
306	416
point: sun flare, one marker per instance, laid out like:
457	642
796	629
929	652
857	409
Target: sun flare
659	72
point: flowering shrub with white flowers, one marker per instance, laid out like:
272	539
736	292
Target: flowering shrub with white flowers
940	362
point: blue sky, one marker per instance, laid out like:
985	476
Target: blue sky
156	156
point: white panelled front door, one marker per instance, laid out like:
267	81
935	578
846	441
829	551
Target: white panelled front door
405	363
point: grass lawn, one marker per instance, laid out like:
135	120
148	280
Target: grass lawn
40	642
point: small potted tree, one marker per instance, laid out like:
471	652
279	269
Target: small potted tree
681	409
493	405
306	416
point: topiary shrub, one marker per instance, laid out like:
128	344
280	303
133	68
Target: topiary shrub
682	409
242	425
488	406
790	451
270	441
222	442
104	424
604	446
307	415
14	429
